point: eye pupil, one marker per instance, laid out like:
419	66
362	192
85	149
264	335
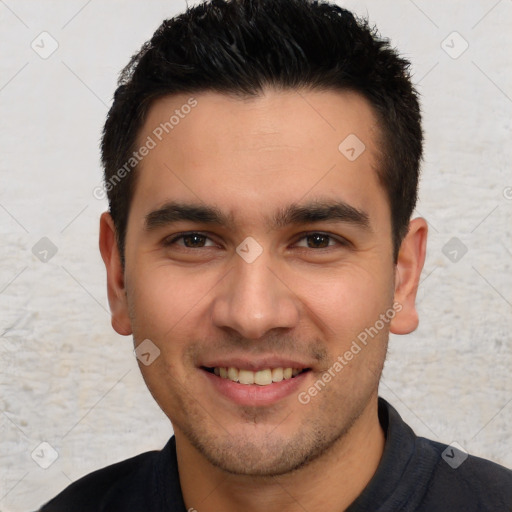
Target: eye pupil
194	240
318	240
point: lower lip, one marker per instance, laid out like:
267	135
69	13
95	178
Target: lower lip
253	394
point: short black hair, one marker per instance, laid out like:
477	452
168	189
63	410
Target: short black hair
241	47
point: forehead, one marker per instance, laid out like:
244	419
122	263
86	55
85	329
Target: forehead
254	155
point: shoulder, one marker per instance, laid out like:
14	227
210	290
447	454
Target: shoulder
460	478
422	475
127	485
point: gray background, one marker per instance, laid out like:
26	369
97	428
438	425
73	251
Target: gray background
68	380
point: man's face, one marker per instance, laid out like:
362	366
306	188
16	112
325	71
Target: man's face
296	294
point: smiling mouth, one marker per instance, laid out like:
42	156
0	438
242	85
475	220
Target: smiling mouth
263	377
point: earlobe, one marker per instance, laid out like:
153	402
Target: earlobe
411	258
115	276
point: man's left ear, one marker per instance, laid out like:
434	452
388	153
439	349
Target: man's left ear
411	258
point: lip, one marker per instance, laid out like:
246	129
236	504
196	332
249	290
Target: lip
255	364
253	394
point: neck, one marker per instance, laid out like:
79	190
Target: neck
331	482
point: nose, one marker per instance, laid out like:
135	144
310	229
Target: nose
254	299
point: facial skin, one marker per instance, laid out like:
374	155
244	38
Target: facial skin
251	159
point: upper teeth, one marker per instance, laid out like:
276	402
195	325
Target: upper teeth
261	377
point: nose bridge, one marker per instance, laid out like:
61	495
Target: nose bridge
253	300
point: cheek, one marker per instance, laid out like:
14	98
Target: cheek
163	300
348	307
164	306
346	299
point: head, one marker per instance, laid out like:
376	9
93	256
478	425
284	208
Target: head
261	162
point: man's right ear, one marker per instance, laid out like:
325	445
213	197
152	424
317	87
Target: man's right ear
115	276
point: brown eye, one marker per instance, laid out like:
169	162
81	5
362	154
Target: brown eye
189	240
194	240
318	241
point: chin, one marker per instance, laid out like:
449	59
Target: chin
257	460
268	453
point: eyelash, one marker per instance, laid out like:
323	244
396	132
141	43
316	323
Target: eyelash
167	242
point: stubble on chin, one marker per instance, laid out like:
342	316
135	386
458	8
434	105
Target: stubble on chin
273	453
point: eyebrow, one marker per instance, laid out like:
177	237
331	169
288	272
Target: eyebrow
318	211
174	212
293	214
